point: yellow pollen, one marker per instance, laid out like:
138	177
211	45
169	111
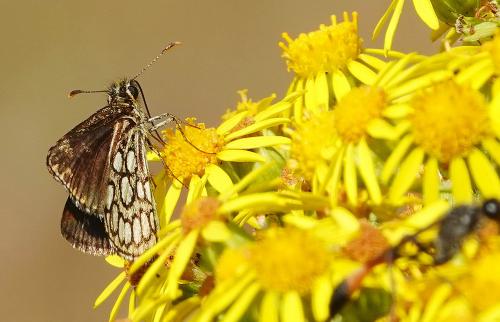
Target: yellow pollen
199	213
325	50
187	156
493	47
355	110
449	120
311	141
289	259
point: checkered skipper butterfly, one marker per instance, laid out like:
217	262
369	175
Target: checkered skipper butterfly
102	164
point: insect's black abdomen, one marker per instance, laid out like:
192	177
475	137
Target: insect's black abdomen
456	225
84	231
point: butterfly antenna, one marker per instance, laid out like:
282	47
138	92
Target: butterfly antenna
170	45
79	91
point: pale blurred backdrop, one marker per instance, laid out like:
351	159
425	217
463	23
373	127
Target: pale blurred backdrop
51	47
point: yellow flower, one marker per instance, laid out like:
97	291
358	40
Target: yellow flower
285	273
451	126
362	116
325	62
424	9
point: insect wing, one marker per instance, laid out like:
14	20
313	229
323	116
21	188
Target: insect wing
80	159
130	212
84	232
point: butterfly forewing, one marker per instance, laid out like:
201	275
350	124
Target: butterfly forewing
80	159
130	212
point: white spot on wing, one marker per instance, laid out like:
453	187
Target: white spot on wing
145	226
130	161
126	191
137	230
121	229
114	213
147	189
152	220
118	161
109	196
128	233
140	190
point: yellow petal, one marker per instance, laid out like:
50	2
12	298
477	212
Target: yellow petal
345	220
258	126
131	303
277	109
484	174
493	148
395	158
216	231
165	242
229	124
431	181
461	187
310	94
426	12
298	105
152	156
372	61
240	306
476	74
381	129
397	111
223	295
320	300
383	20
257	142
269	307
151	273
291	308
363	73
218	178
171	198
321	95
419	82
181	259
119	300
109	289
350	179
435	302
115	260
240	156
333	183
367	171
393	25
406	175
340	84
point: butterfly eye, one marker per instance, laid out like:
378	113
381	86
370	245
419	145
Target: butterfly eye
133	91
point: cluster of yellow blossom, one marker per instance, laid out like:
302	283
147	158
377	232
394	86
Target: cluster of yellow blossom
342	188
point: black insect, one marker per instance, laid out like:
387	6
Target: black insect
453	228
102	164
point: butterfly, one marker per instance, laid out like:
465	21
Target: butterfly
102	164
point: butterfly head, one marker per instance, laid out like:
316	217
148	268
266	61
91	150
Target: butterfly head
125	91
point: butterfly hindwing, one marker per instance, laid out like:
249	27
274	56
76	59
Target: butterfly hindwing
129	210
83	231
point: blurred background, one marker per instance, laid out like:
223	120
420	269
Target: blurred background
52	47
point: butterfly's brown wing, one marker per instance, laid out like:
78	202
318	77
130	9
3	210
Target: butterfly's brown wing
79	160
130	213
85	232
